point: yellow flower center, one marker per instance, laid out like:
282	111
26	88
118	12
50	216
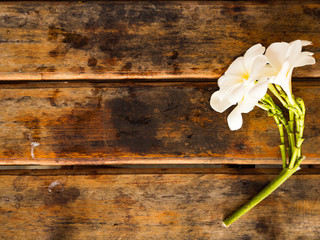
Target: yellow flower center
245	75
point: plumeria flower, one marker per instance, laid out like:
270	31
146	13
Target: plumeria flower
246	82
242	85
283	57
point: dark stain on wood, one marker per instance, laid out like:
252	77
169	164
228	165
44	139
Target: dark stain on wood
298	190
77	69
120	20
20	183
24	99
60	51
33	124
314	12
83	121
174	55
313	131
242	147
9	152
261	226
111	44
246	187
176	68
62	227
44	68
266	230
52	99
245	237
54	53
127	66
18	197
13	21
123	200
61	195
75	40
239	8
92	62
135	125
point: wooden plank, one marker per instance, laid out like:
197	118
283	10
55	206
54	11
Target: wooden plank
127	40
155	204
138	123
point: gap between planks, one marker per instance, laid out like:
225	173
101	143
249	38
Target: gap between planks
90	170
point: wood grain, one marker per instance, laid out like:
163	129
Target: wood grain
127	40
154	204
131	123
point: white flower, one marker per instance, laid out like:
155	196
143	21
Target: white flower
241	84
283	57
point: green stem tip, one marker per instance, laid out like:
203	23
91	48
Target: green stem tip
281	178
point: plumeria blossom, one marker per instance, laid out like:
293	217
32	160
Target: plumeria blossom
242	84
282	58
246	82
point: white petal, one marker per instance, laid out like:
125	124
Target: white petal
229	81
247	104
305	58
258	65
307	53
280	79
259	90
221	80
283	79
268	72
294	50
236	68
305	43
230	86
251	54
276	54
255	50
235	119
236	94
288	88
218	102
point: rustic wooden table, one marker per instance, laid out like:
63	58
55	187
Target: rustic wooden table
116	94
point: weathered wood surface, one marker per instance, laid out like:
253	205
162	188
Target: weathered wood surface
154	204
98	123
120	40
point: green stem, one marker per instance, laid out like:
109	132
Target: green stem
273	110
293	157
283	155
282	146
294	128
281	178
277	94
291	136
298	116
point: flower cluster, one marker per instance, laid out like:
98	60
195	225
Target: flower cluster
246	82
247	79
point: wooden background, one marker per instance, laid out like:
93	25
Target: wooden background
96	83
155	204
145	40
145	123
